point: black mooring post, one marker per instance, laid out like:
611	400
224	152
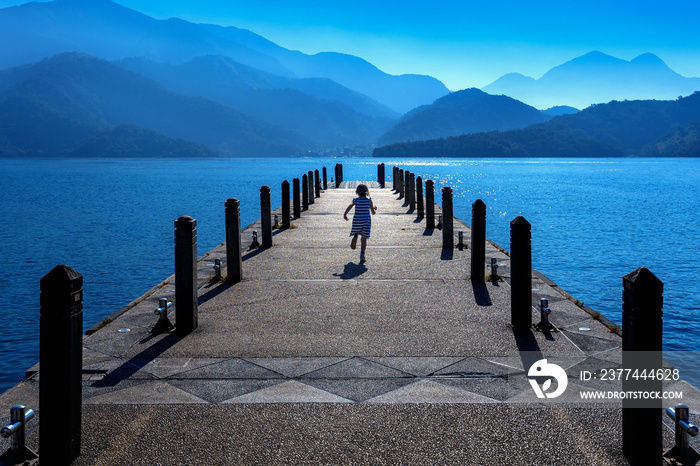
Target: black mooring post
642	317
419	197
297	200
394	176
317	183
412	192
381	174
285	204
406	187
305	192
478	259
234	256
521	274
429	205
61	357
311	187
185	275
342	178
337	175
401	190
448	240
325	179
266	217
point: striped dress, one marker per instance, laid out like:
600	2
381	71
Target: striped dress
361	220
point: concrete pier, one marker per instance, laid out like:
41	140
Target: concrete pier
316	358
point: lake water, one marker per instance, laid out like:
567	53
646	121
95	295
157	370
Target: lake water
593	221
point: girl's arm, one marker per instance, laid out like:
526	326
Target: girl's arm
345	215
372	208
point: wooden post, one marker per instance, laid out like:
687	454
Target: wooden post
412	192
185	275
401	190
317	183
448	240
381	175
419	196
305	192
406	187
61	357
325	179
642	303
478	256
234	256
521	274
311	187
429	205
285	204
297	201
265	217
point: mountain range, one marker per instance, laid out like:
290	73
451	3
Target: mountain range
463	112
616	129
83	76
104	29
597	78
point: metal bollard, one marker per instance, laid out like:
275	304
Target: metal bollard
682	452
255	243
544	324
217	269
163	324
17	429
494	269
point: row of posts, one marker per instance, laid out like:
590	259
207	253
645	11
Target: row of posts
61	321
61	326
641	326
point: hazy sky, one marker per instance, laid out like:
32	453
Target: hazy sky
463	43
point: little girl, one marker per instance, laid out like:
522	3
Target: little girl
361	221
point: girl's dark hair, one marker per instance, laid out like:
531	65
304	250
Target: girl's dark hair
362	190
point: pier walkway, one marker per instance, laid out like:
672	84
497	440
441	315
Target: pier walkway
316	358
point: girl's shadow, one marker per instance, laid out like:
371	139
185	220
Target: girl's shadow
351	270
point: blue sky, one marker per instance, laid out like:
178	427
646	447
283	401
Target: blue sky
462	43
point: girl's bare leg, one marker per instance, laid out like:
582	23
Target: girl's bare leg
363	245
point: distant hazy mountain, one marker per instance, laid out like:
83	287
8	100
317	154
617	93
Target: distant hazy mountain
107	30
629	128
597	78
463	112
134	142
52	107
560	110
327	112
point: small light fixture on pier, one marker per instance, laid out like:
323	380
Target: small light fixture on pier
277	221
460	244
439	225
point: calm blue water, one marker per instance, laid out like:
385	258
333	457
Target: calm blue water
593	221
